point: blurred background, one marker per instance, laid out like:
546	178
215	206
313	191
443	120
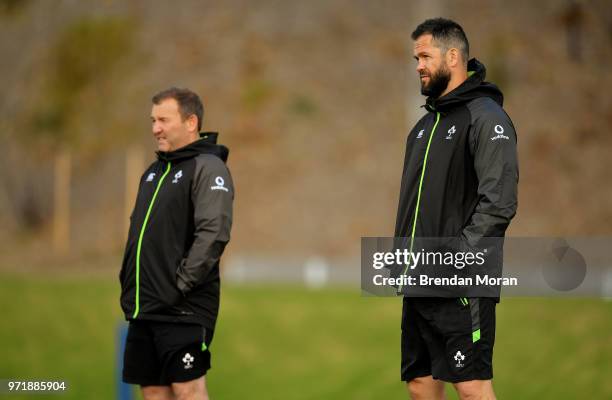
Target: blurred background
314	100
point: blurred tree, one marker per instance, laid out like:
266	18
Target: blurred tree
81	60
10	7
497	62
84	54
302	105
572	20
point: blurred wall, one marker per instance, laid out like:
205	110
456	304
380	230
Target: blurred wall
314	99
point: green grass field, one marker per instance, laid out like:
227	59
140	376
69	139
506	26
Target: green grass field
292	343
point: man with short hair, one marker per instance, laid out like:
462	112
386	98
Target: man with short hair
459	181
170	274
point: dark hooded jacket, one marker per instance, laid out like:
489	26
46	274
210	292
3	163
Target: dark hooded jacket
460	169
179	228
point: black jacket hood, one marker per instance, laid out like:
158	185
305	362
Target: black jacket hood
473	87
207	144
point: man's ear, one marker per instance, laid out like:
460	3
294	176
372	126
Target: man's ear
453	59
192	123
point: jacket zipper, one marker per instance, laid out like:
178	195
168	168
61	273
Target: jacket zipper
416	212
142	229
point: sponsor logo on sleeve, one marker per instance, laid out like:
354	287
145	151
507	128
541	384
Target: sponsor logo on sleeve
219	184
499	133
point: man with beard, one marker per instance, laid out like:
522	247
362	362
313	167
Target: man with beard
459	181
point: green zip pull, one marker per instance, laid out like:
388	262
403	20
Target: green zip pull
142	229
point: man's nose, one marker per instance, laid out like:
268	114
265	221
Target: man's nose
156	128
420	67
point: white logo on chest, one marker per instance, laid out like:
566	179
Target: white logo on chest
451	131
177	176
151	177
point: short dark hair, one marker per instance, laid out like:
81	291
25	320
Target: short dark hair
447	33
189	103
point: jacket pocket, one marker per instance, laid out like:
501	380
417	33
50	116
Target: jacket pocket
172	296
167	293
